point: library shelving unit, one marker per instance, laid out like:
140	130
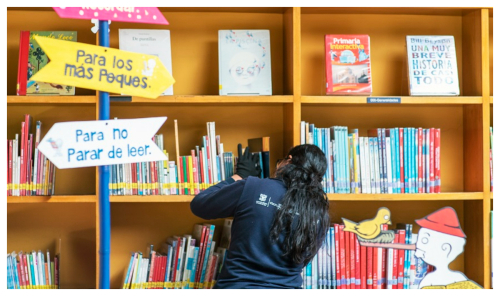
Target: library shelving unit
297	51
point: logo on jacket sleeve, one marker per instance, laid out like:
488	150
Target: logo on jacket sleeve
263	197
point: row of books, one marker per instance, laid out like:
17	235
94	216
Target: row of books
184	262
29	172
389	160
208	164
491	158
245	62
344	263
32	271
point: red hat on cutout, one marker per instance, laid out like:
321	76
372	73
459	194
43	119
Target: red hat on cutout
444	220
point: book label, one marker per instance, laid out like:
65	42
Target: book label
150	15
103	69
383	100
104	142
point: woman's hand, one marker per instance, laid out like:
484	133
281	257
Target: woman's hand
247	165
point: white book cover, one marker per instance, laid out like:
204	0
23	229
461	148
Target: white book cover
389	164
432	66
152	42
244	62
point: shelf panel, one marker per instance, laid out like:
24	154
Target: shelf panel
404	100
451	11
151	198
51	99
213	99
331	197
406	197
52	199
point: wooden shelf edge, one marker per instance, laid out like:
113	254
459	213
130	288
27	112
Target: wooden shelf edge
151	198
51	99
406	197
214	99
491	100
404	100
52	199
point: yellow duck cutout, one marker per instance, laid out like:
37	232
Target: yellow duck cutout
370	228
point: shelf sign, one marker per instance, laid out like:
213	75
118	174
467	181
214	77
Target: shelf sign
150	15
104	142
102	68
383	100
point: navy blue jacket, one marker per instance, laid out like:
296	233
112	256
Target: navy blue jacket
252	260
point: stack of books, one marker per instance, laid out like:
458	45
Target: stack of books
32	271
208	164
389	160
343	263
184	262
29	172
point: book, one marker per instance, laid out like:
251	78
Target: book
432	66
151	42
245	62
32	59
261	145
32	270
348	65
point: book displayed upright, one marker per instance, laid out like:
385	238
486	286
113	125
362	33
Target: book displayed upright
432	66
244	62
32	59
348	65
152	42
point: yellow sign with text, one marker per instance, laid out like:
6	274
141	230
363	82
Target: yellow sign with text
103	69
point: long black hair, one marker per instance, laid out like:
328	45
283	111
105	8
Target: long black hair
305	204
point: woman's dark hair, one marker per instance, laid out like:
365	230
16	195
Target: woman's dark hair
305	204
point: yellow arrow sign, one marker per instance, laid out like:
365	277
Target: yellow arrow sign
103	68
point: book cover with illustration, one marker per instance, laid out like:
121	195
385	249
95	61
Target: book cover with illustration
244	62
348	65
152	42
32	58
432	66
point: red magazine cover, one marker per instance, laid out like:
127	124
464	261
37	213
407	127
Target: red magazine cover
420	160
363	262
437	161
401	258
29	164
375	269
347	260
395	262
358	263
401	159
369	267
348	65
160	266
431	158
22	68
352	259
161	274
342	258
337	256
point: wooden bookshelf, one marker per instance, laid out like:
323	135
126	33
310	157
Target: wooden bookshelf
52	199
297	41
404	100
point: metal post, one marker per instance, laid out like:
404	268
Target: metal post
104	206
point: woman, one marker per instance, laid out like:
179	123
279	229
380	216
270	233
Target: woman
279	223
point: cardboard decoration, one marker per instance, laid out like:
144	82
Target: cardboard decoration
439	242
104	142
150	15
104	69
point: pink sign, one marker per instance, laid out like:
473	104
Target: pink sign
118	14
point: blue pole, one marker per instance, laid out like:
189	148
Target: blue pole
104	206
